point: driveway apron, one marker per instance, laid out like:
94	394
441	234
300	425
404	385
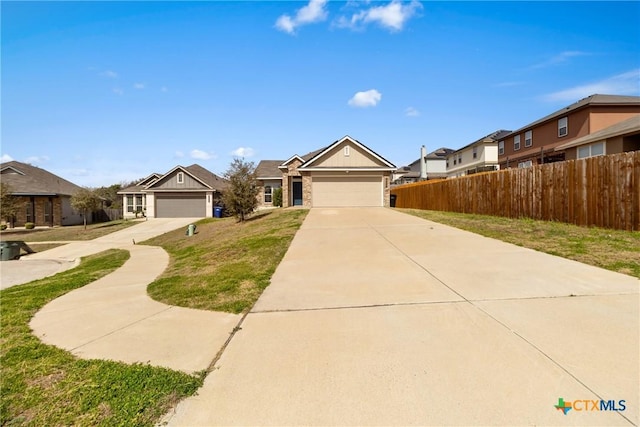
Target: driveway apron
375	317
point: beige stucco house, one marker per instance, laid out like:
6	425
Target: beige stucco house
479	156
345	173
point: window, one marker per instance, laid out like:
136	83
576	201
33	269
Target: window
516	143
48	211
30	210
563	127
138	202
455	162
447	163
459	158
526	164
592	150
528	138
268	191
180	177
130	203
501	147
475	152
347	151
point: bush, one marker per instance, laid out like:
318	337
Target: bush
29	225
277	197
3	226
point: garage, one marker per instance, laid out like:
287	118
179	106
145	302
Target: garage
180	205
347	190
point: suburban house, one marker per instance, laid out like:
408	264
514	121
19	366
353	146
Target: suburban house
621	137
345	173
537	142
479	156
429	166
134	200
183	192
45	197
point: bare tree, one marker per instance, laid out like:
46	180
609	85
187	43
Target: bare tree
9	204
85	201
241	196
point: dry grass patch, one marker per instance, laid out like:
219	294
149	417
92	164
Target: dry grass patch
615	250
65	233
226	265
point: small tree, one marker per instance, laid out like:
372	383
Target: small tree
9	204
85	201
241	196
277	197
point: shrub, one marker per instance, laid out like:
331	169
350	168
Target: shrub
29	225
277	197
3	226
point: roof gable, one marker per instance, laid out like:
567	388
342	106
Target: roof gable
325	157
165	181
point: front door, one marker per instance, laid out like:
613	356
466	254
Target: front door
297	193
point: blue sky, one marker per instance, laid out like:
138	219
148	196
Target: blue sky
105	92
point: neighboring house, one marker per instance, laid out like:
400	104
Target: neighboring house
134	198
183	192
479	156
432	166
538	141
619	138
346	173
45	197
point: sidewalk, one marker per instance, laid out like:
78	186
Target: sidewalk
113	318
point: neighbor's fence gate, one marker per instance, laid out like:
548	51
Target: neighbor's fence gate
599	191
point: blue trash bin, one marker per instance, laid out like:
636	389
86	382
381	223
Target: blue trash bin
217	211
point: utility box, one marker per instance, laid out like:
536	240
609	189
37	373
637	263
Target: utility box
191	230
9	250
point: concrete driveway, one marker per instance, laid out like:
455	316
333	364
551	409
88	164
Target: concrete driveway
375	317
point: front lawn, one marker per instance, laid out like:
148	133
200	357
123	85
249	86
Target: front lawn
65	233
226	265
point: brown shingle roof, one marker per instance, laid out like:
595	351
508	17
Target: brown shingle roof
33	181
269	169
209	178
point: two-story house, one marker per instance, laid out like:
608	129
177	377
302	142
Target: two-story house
429	166
479	156
536	142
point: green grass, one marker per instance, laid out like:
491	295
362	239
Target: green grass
226	265
42	385
615	250
65	233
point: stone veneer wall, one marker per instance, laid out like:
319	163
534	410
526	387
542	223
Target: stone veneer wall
306	190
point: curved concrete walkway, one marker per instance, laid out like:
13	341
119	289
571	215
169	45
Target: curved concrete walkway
113	318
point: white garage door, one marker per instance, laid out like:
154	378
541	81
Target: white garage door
180	205
346	191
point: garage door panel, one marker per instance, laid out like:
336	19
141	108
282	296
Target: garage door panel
180	205
344	192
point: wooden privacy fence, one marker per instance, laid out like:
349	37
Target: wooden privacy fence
599	191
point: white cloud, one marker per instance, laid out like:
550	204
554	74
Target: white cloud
6	158
109	74
314	11
369	98
622	84
243	152
392	16
411	112
139	86
36	159
201	155
560	58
